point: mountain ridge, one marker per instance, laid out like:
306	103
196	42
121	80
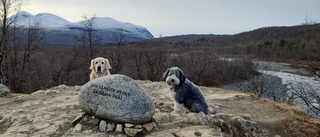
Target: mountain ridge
63	32
136	33
25	19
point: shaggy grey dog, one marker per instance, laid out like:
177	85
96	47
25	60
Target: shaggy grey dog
185	93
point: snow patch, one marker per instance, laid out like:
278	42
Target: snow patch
46	20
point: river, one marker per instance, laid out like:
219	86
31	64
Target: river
282	79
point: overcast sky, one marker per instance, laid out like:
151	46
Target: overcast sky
179	17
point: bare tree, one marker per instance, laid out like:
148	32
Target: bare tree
265	85
118	54
7	8
307	94
25	42
308	21
155	62
259	85
88	39
314	57
119	36
136	59
197	64
67	67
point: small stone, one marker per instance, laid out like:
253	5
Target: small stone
110	127
129	125
155	125
78	119
103	126
88	120
132	131
137	126
77	128
198	131
119	128
148	126
4	91
198	134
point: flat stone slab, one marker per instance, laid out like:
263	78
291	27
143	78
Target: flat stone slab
117	98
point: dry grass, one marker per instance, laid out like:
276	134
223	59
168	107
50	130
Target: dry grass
296	123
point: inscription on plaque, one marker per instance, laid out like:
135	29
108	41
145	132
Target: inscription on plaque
109	92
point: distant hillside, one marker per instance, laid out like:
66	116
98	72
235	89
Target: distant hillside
276	33
261	34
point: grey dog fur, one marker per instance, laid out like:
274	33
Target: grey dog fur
187	93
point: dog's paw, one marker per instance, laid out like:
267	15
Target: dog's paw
177	107
177	111
211	111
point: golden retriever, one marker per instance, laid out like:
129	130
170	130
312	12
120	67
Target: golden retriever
99	67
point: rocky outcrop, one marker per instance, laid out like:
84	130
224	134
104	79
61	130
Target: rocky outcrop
42	113
51	113
4	91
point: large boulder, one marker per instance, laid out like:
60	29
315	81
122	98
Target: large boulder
117	98
4	91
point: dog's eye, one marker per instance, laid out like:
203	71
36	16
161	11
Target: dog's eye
96	62
102	62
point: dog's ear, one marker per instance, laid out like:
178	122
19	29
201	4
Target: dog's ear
181	76
108	66
165	74
92	65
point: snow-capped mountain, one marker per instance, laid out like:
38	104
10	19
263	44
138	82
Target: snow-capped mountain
45	20
107	23
63	32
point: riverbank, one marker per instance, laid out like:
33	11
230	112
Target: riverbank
277	82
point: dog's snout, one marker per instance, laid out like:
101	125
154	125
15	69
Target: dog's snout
99	69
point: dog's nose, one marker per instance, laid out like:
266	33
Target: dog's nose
172	80
99	69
